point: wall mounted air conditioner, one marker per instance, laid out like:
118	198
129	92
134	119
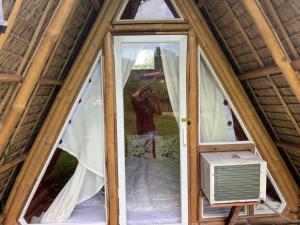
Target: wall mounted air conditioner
228	177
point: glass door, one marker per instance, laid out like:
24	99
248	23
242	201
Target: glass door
152	142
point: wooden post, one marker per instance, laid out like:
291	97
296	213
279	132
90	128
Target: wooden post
233	215
55	27
192	128
110	131
280	57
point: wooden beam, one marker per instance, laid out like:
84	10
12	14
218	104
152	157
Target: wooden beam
58	113
12	163
281	27
279	55
289	147
110	130
192	84
11	21
35	70
14	78
226	147
241	101
121	28
233	215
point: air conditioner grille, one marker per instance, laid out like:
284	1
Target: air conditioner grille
237	182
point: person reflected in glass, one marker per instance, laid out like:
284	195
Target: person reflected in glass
146	103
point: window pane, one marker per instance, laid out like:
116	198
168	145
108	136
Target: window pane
149	10
217	120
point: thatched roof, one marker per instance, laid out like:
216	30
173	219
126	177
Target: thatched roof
229	21
247	52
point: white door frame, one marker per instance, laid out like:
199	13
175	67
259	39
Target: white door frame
182	41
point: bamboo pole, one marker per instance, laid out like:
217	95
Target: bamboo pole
58	113
242	103
11	21
110	130
280	57
192	128
35	70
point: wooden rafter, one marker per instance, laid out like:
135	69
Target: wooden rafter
262	110
239	98
229	50
281	99
262	72
282	29
58	113
56	25
289	147
243	32
12	163
11	21
14	78
267	32
13	89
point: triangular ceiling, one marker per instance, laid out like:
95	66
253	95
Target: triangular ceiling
215	10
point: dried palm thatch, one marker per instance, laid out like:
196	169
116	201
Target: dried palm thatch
248	53
232	25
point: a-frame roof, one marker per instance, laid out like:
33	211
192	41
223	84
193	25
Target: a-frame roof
228	21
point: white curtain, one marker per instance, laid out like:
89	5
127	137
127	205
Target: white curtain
214	115
84	139
130	53
170	63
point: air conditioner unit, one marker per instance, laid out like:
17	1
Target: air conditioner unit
228	177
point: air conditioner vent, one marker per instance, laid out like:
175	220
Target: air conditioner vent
233	177
232	182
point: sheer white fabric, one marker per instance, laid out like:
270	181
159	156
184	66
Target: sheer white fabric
170	63
130	53
214	115
84	140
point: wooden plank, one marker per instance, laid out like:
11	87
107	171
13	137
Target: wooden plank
280	57
242	103
110	130
11	21
55	27
193	127
58	113
12	163
233	215
226	147
121	28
